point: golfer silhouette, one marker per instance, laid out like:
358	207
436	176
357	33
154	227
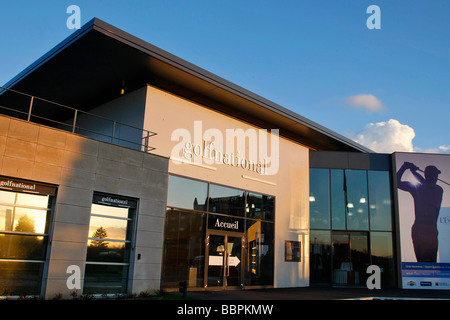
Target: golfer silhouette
427	197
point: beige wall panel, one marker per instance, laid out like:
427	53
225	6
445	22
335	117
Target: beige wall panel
78	167
172	116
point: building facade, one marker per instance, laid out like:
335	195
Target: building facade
351	218
129	170
58	192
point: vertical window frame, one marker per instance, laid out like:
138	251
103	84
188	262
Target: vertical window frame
130	239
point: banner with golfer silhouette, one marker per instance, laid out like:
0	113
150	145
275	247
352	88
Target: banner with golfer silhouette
423	193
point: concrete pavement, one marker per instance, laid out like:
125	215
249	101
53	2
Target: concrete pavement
319	293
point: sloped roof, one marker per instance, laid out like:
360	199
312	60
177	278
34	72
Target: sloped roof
92	65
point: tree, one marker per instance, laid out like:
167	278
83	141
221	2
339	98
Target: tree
25	224
100	233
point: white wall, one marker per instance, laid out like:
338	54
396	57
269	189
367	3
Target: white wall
170	116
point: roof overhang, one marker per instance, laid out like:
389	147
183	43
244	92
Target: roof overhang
95	63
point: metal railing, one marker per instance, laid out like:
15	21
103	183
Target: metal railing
37	110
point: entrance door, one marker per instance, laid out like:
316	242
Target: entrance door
224	256
350	258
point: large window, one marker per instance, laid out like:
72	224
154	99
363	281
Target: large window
109	244
259	263
226	200
25	216
187	194
380	201
190	205
360	200
338	203
383	255
260	206
320	256
320	199
184	248
350	205
355	182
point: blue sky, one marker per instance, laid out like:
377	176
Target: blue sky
387	88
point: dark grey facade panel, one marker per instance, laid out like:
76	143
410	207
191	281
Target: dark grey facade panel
350	160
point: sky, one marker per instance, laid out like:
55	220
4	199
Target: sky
387	88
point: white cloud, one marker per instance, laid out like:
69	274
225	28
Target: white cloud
440	149
386	137
365	101
391	136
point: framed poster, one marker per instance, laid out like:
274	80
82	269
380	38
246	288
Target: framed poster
293	251
423	192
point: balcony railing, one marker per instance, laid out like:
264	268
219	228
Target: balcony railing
37	110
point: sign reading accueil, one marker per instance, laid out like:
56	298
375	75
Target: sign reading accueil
217	222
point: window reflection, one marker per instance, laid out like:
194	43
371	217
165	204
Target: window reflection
116	212
319	198
111	228
32	200
357	213
187	193
320	256
338	205
259	262
107	251
184	248
109	245
383	256
185	231
15	246
380	201
23	241
226	200
8	197
23	219
105	279
18	277
356	196
260	206
25	212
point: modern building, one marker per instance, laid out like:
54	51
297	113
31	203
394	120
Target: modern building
125	169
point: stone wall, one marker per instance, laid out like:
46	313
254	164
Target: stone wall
78	167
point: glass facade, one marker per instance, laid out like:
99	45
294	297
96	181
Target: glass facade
351	226
24	236
184	248
319	199
109	244
217	235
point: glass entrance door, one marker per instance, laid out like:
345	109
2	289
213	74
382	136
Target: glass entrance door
224	255
350	258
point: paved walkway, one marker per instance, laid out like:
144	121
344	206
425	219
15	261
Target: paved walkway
319	293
